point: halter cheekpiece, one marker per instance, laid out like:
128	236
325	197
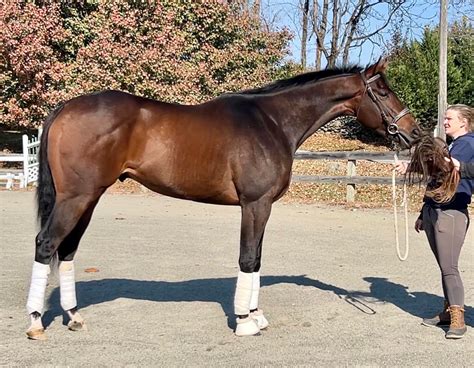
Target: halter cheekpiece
392	127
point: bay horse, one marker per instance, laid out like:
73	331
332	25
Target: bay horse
236	149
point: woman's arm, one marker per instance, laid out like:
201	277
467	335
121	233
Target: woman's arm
466	169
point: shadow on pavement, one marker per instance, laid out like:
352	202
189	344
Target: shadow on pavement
418	304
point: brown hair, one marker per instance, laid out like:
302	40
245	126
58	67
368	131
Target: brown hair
466	112
428	165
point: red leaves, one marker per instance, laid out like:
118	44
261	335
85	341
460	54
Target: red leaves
30	63
184	52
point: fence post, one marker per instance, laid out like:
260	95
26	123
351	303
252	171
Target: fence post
351	188
25	160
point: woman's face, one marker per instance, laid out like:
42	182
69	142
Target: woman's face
454	125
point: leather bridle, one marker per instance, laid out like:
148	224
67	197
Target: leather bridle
389	120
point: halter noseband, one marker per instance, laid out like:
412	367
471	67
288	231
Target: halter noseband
392	127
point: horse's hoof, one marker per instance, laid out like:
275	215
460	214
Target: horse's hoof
36	334
76	326
247	327
260	319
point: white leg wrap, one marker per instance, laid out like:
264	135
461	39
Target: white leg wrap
255	290
39	280
67	285
243	293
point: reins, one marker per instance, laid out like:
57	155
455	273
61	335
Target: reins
395	214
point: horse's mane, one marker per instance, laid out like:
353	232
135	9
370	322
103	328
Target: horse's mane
428	163
302	79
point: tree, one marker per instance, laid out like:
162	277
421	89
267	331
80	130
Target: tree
183	52
335	27
31	68
304	34
352	23
413	70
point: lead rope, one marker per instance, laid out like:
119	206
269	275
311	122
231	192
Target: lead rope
405	208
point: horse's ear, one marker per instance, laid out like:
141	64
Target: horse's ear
379	67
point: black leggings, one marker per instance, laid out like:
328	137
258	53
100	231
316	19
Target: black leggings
446	230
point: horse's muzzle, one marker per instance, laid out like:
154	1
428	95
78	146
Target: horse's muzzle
407	140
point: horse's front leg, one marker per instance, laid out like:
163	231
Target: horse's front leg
255	312
250	319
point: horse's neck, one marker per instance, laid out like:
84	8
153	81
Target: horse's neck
300	111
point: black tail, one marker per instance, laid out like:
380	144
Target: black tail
45	192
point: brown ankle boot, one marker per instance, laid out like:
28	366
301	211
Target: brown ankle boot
441	319
457	328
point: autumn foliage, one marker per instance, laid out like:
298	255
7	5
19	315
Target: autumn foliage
185	52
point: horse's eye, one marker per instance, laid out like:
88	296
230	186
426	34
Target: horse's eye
383	93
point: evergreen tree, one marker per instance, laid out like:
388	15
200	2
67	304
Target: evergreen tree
413	71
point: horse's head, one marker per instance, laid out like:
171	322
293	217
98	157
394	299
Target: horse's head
381	110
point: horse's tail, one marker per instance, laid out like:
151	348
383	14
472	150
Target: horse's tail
46	192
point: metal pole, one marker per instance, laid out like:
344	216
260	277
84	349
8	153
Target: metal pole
443	60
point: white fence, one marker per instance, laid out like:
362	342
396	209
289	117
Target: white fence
29	159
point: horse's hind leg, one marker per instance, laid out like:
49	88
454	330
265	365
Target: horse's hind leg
249	318
62	221
67	282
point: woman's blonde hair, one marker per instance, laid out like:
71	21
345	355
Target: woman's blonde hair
466	112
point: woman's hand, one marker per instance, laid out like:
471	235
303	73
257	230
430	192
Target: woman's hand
401	167
456	163
419	225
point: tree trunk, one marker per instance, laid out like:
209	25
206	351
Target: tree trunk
304	33
335	35
320	32
351	29
317	53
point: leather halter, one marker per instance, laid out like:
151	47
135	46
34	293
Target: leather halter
391	125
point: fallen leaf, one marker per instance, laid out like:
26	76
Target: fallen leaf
91	269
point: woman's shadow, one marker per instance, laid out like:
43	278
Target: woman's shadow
221	291
418	303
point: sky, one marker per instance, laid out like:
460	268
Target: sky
284	14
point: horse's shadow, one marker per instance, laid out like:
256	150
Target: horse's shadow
221	290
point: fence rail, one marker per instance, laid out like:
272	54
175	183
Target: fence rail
351	179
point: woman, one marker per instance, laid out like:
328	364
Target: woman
446	224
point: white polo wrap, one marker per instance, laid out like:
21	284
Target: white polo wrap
67	285
39	280
255	290
243	293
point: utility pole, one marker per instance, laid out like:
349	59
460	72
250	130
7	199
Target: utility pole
443	60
